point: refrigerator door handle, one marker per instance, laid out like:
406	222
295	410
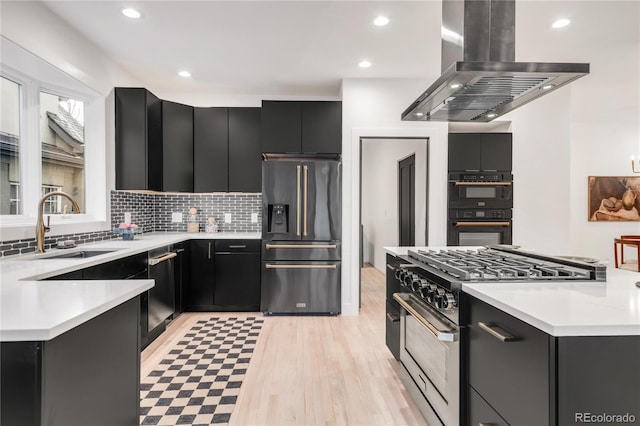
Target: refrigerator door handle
306	190
298	200
300	246
298	266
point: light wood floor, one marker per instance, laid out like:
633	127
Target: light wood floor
315	370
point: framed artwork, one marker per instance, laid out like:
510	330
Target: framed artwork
614	198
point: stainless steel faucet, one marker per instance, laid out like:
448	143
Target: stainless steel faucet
40	226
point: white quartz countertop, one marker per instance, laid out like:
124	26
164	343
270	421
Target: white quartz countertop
561	308
33	310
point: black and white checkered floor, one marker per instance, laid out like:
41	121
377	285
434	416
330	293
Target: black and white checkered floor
198	382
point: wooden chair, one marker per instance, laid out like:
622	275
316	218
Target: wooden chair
625	240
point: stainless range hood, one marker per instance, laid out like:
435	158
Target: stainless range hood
480	79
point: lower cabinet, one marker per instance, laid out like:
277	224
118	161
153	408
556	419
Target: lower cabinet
237	275
519	375
225	276
89	375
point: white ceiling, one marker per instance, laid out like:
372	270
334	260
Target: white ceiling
304	48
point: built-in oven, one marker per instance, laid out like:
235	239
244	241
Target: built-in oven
479	227
430	357
469	190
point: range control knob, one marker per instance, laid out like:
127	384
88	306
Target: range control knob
445	301
439	298
399	273
432	291
418	283
408	278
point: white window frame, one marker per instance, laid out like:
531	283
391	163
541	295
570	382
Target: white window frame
35	75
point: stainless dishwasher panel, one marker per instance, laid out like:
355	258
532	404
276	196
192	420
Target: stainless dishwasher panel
300	287
162	294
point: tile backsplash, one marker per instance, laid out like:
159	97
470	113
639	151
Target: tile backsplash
153	213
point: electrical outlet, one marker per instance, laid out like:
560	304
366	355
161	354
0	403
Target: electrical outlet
176	217
127	217
254	217
227	218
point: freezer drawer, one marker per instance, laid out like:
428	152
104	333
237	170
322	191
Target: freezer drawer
301	250
300	287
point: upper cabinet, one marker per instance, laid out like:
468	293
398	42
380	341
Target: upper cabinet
480	151
245	153
227	153
210	150
138	135
177	147
302	127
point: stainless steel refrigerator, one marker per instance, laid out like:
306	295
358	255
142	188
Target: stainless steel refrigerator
301	232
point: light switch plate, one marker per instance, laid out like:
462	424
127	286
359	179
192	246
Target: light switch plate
227	218
127	217
254	217
176	217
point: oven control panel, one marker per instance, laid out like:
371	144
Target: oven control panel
480	214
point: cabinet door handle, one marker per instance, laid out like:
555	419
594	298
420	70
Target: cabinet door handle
501	335
299	266
238	246
209	255
306	190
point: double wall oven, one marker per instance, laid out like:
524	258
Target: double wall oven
432	321
480	208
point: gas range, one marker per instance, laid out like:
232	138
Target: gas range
436	276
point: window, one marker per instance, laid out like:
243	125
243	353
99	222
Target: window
53	137
9	147
62	137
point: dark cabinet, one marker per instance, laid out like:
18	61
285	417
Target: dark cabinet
177	147
519	375
199	296
480	151
245	151
119	269
138	139
509	365
89	375
227	152
302	127
210	150
237	275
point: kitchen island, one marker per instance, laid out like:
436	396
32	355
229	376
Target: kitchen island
70	349
551	352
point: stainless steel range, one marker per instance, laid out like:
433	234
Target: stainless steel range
431	328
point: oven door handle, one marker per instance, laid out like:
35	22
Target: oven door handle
482	183
420	312
460	224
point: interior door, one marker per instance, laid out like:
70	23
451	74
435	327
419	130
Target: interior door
321	211
406	201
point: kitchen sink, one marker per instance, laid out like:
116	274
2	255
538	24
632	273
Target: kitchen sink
81	254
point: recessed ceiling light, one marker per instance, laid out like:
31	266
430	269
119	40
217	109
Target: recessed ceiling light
548	86
419	114
184	74
561	23
455	85
131	13
492	115
381	21
364	64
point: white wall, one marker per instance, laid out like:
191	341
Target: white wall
380	221
371	108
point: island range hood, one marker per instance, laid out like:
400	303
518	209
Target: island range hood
480	79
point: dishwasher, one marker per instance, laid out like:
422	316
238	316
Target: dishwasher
160	299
